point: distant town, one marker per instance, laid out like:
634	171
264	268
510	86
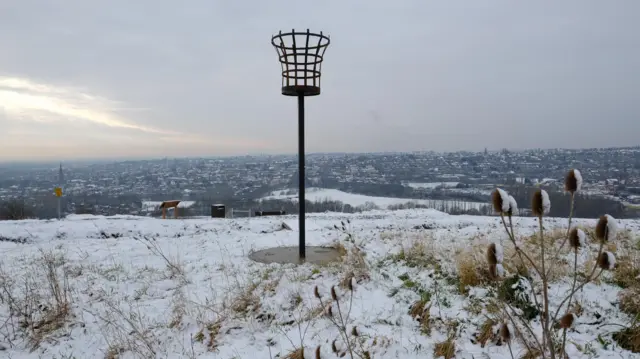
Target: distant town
457	183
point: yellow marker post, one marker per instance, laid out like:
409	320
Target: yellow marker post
58	192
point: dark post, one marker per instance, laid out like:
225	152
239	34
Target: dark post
301	178
301	55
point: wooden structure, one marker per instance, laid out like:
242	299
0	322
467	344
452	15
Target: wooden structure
169	204
270	213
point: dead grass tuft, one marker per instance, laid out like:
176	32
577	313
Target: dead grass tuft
246	300
354	267
36	309
630	301
446	349
486	332
295	354
627	270
210	333
472	269
629	338
419	253
178	310
421	311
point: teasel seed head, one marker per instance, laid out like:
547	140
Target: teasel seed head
607	261
573	181
495	253
567	321
334	347
500	200
316	292
577	238
329	311
492	259
505	333
334	295
540	204
606	228
318	352
354	332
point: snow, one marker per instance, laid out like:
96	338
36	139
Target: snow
499	253
612	228
546	203
582	238
578	176
126	293
513	206
432	185
359	200
505	199
611	260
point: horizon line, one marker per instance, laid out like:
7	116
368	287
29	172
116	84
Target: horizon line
336	153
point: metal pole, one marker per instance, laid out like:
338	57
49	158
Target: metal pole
58	207
301	198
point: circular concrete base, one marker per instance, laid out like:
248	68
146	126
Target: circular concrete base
285	255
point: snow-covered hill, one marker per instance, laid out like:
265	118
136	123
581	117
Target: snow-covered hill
134	287
315	194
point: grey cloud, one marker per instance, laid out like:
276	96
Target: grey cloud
437	75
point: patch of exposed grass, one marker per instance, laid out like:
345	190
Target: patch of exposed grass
630	301
629	338
627	270
446	349
39	299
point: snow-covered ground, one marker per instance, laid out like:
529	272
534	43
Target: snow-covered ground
432	185
146	288
361	200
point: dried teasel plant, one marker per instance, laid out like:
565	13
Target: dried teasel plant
604	231
340	320
606	228
567	321
495	256
573	181
577	238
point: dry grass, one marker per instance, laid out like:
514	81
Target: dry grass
446	349
553	238
627	269
209	334
629	338
421	311
246	300
486	332
178	310
295	354
354	267
630	301
472	268
419	253
37	309
126	330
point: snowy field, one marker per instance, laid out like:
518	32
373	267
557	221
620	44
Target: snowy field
360	200
135	287
432	185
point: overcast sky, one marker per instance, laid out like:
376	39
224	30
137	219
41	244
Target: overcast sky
83	79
